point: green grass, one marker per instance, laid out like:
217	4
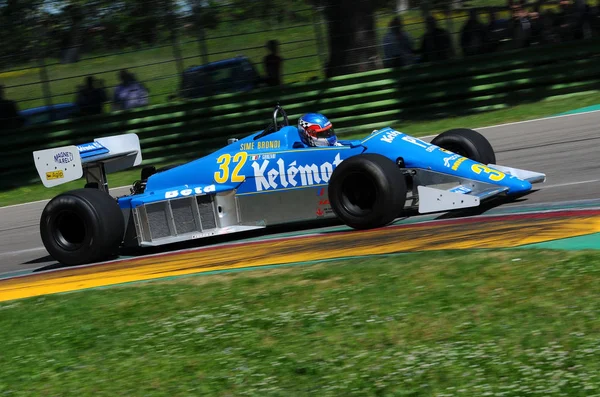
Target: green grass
518	113
510	323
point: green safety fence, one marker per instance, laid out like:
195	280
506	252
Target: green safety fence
357	102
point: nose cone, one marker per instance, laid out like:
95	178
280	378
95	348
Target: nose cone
517	186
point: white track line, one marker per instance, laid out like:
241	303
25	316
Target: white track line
46	200
25	251
570	184
541	119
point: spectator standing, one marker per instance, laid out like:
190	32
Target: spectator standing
91	97
548	32
129	93
496	32
398	49
9	113
273	64
436	44
522	26
472	35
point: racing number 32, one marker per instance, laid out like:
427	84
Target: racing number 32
239	159
494	175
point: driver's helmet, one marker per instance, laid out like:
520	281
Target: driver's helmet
316	130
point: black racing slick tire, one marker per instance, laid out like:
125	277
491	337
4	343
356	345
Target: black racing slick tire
82	226
468	143
367	191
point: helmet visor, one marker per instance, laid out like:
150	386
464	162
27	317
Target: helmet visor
317	132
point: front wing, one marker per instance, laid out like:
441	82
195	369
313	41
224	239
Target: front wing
437	192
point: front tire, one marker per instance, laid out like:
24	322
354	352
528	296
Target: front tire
468	143
82	226
367	191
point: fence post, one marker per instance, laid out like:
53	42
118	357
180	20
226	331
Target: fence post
46	91
176	51
202	46
201	36
45	83
317	22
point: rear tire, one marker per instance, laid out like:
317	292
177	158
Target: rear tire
468	143
367	191
82	226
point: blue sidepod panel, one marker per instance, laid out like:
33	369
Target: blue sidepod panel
279	161
274	162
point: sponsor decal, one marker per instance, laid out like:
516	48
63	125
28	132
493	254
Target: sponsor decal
268	156
431	148
324	211
89	146
447	160
461	189
54	175
188	192
321	191
260	145
389	136
458	162
324	202
281	175
63	157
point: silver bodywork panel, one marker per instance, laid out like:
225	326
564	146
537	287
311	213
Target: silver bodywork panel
205	215
193	217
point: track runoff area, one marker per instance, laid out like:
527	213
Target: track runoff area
564	213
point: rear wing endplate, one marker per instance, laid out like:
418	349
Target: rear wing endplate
95	159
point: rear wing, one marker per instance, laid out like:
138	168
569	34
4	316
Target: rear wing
94	160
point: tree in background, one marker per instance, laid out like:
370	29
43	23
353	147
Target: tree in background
17	35
352	36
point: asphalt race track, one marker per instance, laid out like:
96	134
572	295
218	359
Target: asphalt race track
565	148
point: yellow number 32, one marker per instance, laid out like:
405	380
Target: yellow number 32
494	175
239	159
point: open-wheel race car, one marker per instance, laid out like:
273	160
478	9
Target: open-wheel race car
267	178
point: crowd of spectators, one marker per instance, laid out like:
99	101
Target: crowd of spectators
525	26
483	32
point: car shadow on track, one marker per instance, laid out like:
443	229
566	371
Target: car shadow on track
242	237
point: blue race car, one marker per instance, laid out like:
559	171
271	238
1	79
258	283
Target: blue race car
267	178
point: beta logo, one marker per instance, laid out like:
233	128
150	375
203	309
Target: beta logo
389	136
63	157
292	175
188	192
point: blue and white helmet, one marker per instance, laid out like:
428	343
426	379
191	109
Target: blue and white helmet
316	130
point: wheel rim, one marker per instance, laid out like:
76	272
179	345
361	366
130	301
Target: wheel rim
358	194
69	230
